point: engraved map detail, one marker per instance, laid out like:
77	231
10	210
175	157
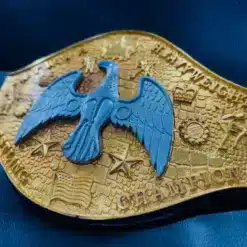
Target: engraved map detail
209	140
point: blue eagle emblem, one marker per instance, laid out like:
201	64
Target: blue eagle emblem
149	115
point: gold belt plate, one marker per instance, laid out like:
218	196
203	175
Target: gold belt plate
209	133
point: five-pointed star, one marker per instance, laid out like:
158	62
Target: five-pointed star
122	165
44	145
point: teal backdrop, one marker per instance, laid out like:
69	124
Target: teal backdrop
213	32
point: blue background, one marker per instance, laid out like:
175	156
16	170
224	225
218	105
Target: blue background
213	32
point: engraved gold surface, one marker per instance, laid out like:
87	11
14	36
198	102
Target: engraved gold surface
210	132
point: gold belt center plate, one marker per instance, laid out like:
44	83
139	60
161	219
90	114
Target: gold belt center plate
209	133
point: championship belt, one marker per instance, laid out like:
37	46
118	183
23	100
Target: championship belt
120	125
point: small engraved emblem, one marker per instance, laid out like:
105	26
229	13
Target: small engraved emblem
44	145
185	94
123	164
72	190
194	131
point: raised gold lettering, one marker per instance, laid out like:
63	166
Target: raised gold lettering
222	91
170	58
234	96
123	202
23	177
15	166
197	76
186	68
195	182
213	86
140	199
218	176
200	78
236	173
176	187
158	194
206	83
6	149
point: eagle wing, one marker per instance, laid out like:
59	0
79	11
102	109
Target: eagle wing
59	100
150	117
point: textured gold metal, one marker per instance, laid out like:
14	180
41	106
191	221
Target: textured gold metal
210	132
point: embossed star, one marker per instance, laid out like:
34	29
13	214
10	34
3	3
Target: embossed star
44	145
122	165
